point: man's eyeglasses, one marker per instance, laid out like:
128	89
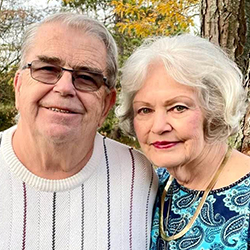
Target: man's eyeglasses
82	80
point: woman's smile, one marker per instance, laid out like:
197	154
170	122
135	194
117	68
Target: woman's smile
164	144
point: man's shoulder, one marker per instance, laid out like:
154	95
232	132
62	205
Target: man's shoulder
6	136
8	131
163	175
120	148
1	134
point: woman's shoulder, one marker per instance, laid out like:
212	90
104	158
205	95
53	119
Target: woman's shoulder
240	163
237	168
162	175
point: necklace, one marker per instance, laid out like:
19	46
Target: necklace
185	215
197	212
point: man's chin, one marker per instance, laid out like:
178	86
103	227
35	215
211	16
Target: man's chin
60	134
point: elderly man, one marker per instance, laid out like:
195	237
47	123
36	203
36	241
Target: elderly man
63	185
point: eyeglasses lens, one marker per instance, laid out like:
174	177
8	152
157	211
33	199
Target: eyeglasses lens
45	72
50	74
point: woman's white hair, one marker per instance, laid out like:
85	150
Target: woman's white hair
195	62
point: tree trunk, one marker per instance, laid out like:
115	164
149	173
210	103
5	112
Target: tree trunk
245	148
225	23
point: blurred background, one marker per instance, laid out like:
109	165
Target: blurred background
226	23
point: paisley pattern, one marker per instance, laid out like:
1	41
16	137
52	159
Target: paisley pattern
223	223
209	218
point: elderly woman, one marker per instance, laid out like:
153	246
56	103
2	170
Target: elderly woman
182	97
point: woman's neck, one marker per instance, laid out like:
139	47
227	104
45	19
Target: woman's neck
198	173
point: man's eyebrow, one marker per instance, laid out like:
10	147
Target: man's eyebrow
53	60
90	69
58	61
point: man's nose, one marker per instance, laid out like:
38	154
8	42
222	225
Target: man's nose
65	85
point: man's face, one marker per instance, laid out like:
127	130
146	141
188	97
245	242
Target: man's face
59	112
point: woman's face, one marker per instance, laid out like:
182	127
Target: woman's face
168	120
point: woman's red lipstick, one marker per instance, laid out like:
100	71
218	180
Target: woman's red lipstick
163	144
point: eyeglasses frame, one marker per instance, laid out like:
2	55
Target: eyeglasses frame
72	71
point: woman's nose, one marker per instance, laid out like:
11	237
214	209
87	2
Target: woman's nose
161	123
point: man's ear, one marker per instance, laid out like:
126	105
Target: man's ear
17	85
109	102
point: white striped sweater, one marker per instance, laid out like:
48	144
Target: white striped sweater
107	205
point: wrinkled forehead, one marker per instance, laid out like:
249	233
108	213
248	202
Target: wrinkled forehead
70	45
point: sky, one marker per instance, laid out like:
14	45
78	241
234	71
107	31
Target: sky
41	3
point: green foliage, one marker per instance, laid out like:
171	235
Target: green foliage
7	96
111	129
86	5
97	9
145	18
7	114
7	104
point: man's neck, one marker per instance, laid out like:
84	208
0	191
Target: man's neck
47	159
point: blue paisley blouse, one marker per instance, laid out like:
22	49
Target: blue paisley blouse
223	223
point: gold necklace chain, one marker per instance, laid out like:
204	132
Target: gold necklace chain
185	215
197	212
